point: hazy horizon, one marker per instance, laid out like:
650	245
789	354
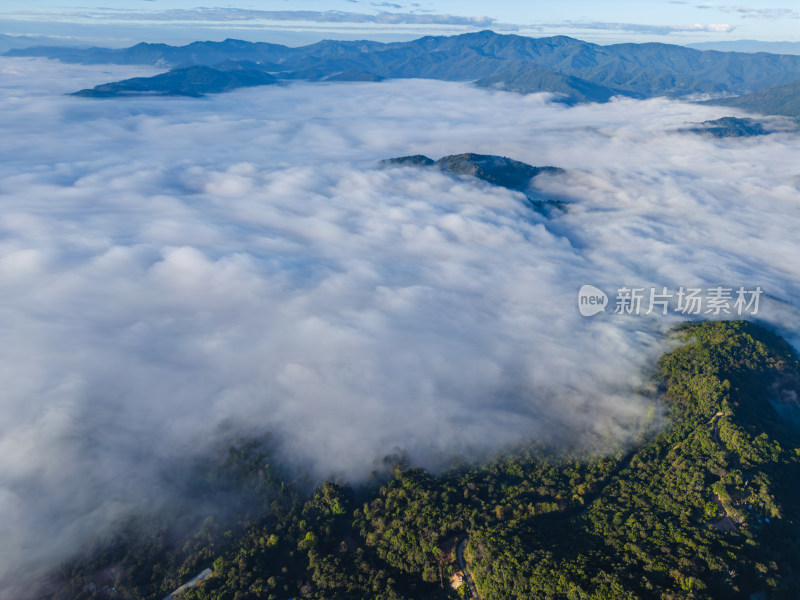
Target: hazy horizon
182	21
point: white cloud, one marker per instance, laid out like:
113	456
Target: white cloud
771	14
240	15
640	27
170	265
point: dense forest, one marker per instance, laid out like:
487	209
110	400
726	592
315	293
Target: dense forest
707	506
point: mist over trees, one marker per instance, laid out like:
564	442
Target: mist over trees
704	508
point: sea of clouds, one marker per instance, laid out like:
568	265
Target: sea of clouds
174	267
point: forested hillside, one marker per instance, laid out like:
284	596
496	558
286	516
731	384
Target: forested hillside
706	507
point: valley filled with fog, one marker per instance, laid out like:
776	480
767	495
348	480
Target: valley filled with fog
177	269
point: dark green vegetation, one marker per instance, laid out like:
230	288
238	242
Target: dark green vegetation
497	170
563	65
706	508
730	127
781	100
189	81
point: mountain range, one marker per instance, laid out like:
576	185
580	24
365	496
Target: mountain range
749	46
578	70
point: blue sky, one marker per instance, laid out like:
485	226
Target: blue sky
304	21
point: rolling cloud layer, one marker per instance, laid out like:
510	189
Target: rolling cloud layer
173	266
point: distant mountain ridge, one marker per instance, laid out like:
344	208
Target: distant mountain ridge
580	70
749	46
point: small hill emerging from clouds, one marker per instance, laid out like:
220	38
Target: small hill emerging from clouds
781	100
415	160
497	170
195	81
730	127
